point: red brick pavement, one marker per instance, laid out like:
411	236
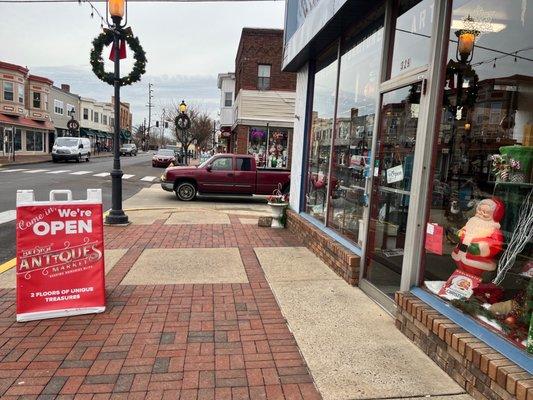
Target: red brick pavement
194	341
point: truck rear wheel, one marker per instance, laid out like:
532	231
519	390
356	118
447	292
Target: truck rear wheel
186	191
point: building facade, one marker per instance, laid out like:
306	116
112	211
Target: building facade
25	123
263	109
63	106
411	171
226	85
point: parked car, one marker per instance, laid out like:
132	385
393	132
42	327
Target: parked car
163	158
234	174
71	148
129	149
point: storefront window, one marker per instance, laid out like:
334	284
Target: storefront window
34	141
269	146
257	145
412	36
358	90
320	140
478	246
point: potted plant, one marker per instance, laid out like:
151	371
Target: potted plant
278	202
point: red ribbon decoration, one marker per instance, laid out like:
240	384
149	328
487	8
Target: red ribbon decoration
121	50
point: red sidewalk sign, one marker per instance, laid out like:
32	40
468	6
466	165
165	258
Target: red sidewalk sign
60	255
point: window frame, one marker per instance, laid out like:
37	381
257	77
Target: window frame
59	107
37	99
264	81
86	115
226	100
4	91
21	94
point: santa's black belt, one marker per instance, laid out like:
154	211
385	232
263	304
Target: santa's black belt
463	247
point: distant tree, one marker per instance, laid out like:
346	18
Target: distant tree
199	133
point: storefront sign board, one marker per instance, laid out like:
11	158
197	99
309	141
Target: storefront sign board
60	256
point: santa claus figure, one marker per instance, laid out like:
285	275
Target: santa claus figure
481	239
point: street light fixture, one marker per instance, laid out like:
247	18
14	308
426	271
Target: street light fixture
466	40
182	107
117	9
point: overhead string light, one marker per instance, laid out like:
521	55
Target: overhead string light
514	54
93	11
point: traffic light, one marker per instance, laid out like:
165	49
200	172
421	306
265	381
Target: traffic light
157	124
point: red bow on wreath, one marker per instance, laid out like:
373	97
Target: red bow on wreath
121	51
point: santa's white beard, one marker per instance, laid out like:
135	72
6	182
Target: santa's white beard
477	228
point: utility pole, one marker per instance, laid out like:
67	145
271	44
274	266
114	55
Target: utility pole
162	127
150	96
146	137
214	136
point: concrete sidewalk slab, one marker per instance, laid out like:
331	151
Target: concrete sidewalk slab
248	221
197	218
8	278
293	264
185	266
351	345
147	217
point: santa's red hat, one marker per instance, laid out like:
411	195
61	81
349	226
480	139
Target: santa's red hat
498	208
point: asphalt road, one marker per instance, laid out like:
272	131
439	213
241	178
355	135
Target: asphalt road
44	177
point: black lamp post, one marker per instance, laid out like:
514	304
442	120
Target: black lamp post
116	216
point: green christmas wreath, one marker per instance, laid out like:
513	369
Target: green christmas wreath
97	62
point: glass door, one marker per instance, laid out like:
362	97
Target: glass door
391	187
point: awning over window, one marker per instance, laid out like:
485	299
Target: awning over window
26	122
86	132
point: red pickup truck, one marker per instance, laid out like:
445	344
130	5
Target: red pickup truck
233	174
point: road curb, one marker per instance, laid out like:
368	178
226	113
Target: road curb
8	265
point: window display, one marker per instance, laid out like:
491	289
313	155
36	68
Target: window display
358	87
479	236
269	146
320	141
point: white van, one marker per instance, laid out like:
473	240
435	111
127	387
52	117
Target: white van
71	148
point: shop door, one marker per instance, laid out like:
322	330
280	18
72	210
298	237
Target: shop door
391	188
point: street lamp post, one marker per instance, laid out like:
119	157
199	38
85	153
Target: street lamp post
116	215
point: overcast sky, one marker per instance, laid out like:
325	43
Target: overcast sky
187	45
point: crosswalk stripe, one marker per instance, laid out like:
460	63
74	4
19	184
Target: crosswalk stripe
59	171
34	171
80	172
148	178
7	216
127	176
15	170
102	174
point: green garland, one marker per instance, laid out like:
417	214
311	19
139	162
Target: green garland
97	62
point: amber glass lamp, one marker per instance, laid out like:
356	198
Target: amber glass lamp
117	8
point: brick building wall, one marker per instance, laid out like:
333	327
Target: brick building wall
261	46
482	371
241	135
337	257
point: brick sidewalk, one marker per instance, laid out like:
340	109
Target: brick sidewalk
183	341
